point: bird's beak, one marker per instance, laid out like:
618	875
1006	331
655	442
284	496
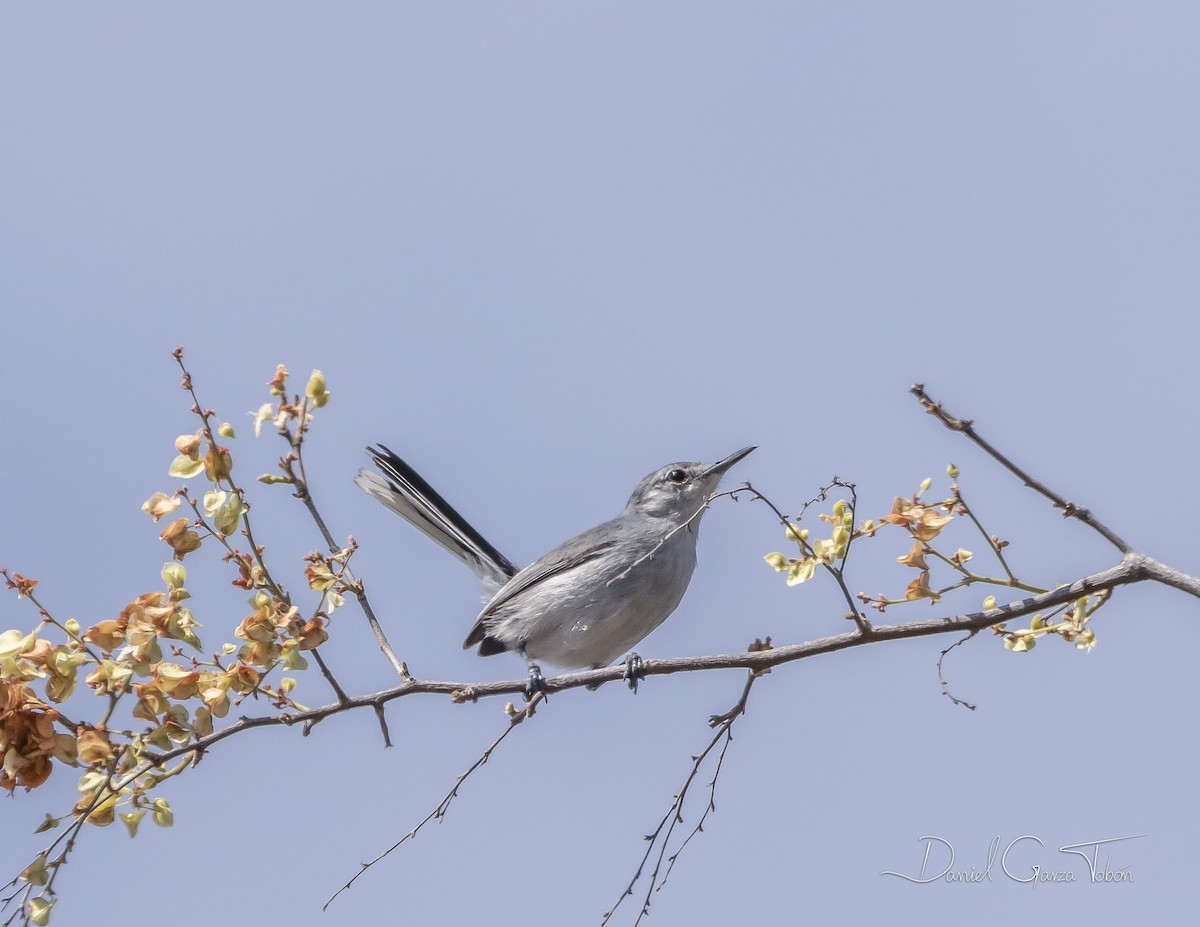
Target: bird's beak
722	466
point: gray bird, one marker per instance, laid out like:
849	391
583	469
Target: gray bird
590	599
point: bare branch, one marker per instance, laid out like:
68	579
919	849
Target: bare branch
439	810
994	544
1069	509
1169	576
661	835
329	677
942	679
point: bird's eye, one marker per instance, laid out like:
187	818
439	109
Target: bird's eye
677	476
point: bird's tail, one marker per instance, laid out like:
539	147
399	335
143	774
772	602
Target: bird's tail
405	492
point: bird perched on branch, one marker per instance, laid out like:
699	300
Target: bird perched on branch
592	598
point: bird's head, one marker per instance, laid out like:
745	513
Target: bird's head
679	490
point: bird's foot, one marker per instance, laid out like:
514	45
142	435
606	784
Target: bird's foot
635	671
536	683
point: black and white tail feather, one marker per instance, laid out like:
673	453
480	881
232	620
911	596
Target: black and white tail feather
405	492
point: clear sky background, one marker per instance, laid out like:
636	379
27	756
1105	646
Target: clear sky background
541	249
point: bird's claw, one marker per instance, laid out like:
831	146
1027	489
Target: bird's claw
536	682
635	671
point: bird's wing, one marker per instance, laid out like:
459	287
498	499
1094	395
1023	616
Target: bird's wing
403	491
563	559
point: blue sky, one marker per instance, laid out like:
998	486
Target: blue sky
540	250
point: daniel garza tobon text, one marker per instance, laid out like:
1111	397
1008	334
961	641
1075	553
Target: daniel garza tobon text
1023	859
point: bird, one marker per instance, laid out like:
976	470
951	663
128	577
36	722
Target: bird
590	599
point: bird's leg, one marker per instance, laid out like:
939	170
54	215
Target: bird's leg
537	682
635	670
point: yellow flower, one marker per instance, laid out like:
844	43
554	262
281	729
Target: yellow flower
316	390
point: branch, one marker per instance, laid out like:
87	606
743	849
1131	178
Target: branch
864	626
942	679
1069	509
1133	569
293	467
1169	576
439	810
994	543
724	731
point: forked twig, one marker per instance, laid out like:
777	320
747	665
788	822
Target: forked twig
440	809
859	619
661	836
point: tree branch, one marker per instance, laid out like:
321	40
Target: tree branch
837	573
1132	569
1169	576
293	466
942	679
1069	509
723	724
440	809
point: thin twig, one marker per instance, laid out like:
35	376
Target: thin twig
440	809
725	722
674	815
942	679
247	528
649	555
275	588
205	415
1069	509
293	466
296	473
993	543
970	577
329	677
54	866
381	716
821	496
864	626
853	488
